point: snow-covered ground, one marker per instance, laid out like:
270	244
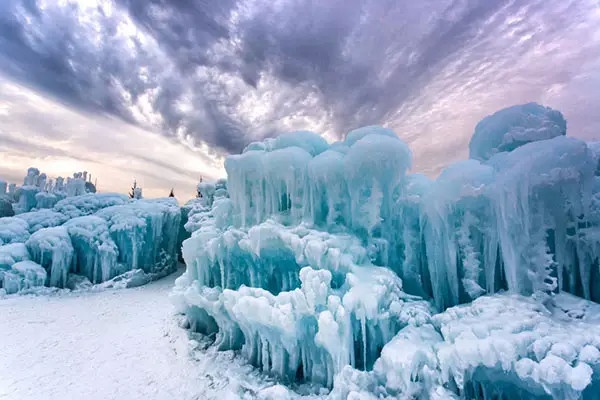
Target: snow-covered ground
114	344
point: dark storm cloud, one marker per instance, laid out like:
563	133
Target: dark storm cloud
343	63
185	28
344	47
186	31
46	51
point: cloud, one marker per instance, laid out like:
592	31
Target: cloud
114	151
215	75
185	29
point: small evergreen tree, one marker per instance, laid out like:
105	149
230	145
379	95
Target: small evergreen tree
132	193
198	192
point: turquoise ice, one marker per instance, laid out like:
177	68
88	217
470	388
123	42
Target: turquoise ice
333	264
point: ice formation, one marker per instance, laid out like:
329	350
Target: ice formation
71	229
40	192
91	237
499	346
44	218
52	248
88	204
6	209
10	254
13	230
146	233
94	250
24	275
328	263
513	127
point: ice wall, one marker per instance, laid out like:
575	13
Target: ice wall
146	233
297	307
304	264
6	209
459	233
93	236
10	254
299	303
52	249
521	219
13	230
95	252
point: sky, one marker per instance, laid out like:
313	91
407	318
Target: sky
161	91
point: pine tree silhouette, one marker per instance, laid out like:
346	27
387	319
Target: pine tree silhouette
132	193
199	193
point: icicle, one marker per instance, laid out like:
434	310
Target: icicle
363	329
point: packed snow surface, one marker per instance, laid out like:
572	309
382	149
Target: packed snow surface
88	345
112	345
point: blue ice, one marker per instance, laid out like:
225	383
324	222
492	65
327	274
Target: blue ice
332	264
95	237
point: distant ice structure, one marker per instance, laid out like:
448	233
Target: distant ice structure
75	185
3	188
39	192
91	237
595	148
76	234
328	263
46	199
6	208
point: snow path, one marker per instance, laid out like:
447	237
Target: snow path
116	344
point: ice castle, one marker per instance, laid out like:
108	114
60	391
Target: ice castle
331	264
